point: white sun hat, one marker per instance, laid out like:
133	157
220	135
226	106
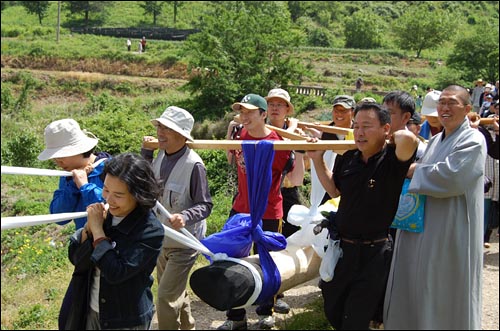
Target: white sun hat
64	138
429	106
283	95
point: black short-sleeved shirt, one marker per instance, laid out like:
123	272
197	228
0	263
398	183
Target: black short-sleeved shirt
328	135
369	192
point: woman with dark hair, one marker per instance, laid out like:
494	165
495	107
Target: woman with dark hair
115	253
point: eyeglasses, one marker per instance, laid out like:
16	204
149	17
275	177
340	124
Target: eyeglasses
277	105
450	103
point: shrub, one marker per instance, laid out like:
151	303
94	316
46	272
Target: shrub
220	212
11	33
30	317
217	170
169	60
118	126
22	150
7	99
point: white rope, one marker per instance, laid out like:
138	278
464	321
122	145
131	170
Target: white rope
168	215
7	170
187	239
22	221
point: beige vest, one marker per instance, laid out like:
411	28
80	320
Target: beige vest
176	195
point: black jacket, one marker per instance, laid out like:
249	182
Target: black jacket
126	264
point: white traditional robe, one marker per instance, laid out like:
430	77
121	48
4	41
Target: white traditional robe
435	278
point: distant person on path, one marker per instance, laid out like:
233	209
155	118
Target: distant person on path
359	84
186	195
73	150
369	180
418	103
143	43
476	96
436	275
115	253
140	46
129	45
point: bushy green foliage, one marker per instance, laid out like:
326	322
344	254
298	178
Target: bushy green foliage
32	250
118	127
7	98
228	61
217	170
38	8
31	317
21	150
220	212
477	55
423	27
11	32
364	30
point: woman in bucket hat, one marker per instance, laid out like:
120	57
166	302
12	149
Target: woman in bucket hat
185	194
73	150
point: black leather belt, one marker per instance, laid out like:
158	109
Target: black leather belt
364	242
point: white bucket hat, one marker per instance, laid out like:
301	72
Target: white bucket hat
177	119
283	95
64	138
429	106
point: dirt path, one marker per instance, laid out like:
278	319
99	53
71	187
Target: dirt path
208	318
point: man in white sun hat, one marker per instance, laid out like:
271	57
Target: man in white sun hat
73	150
280	110
186	195
431	125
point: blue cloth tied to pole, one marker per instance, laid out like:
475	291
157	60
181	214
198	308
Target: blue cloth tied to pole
241	230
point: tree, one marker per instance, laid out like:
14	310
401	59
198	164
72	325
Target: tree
85	8
154	8
176	5
243	47
363	29
423	27
38	8
477	55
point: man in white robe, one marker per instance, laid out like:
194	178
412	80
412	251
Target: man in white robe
435	278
